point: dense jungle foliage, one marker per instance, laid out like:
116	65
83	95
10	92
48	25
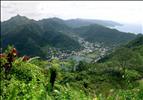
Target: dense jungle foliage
119	76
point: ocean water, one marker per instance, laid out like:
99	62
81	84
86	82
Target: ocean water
132	28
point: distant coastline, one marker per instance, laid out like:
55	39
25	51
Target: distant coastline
132	28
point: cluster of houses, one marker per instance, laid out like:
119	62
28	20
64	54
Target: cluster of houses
87	48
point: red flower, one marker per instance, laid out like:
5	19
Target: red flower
11	56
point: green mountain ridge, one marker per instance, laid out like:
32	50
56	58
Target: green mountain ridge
29	38
98	33
136	42
34	36
135	46
120	77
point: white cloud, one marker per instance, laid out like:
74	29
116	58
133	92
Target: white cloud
121	11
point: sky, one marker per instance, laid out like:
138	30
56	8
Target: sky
120	11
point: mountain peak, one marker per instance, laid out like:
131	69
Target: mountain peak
19	18
18	15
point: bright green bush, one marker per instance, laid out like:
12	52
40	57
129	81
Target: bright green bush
30	80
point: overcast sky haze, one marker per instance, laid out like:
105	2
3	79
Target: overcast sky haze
120	11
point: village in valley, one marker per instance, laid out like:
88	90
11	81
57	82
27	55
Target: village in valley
90	52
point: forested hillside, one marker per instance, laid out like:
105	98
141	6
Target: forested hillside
102	34
118	77
31	37
75	50
35	38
